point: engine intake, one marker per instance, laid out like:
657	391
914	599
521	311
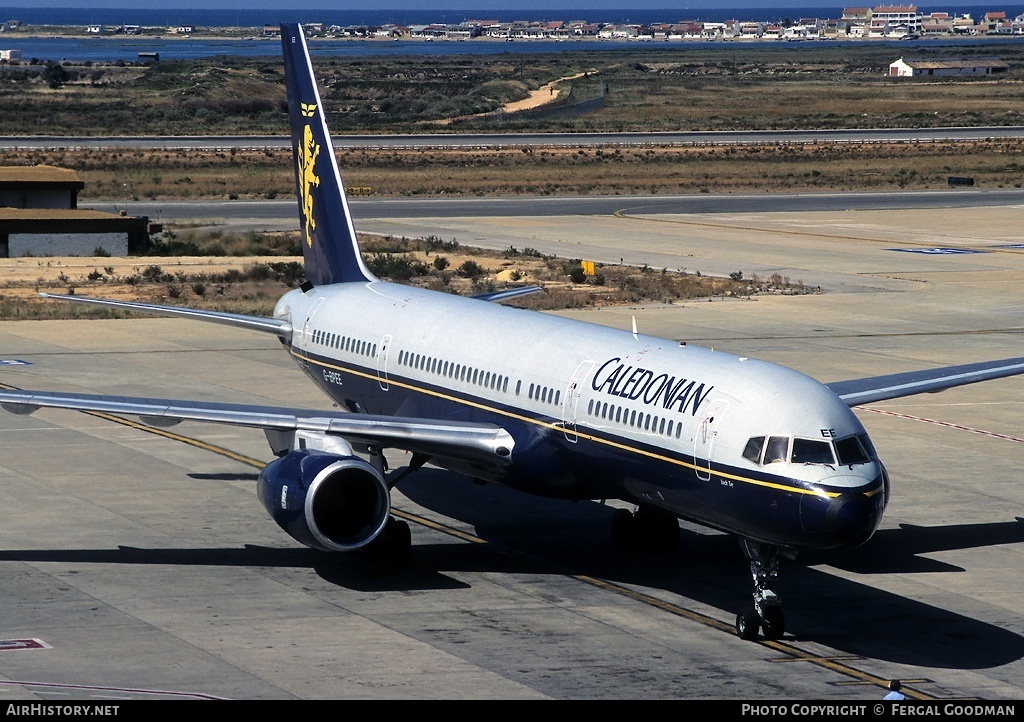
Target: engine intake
325	501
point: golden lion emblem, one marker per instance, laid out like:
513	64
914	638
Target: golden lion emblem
308	153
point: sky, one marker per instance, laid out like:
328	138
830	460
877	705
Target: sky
476	6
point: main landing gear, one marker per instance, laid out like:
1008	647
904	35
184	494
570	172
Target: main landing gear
647	529
394	543
766	611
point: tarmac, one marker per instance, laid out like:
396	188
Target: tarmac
140	565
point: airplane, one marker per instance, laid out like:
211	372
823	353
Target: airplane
551	406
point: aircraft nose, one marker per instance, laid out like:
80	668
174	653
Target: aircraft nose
845	520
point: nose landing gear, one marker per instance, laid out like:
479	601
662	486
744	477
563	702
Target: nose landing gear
765	614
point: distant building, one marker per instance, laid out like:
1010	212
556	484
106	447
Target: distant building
40	186
964	25
39	216
937	24
857	14
9	55
895	20
928	68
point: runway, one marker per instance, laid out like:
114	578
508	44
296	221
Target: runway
491	140
141	565
281	215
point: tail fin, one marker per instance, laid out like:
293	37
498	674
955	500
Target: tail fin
330	249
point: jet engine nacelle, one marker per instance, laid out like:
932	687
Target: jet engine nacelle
325	501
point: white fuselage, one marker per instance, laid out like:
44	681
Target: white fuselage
634	417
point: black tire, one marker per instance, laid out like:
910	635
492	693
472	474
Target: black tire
747	624
401	540
657	531
668	535
393	545
623	529
774	623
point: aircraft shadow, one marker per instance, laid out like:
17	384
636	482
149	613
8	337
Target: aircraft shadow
527	534
351	571
851	617
226	476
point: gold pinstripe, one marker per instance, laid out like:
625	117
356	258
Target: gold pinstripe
555	427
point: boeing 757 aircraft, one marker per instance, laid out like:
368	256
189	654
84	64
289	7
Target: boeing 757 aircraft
547	405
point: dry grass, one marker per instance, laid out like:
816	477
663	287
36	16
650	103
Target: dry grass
727	86
251	284
754	168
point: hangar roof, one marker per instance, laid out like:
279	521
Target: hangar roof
21	175
54	214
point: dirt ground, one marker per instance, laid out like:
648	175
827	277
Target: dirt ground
548	93
222	283
228	283
252	284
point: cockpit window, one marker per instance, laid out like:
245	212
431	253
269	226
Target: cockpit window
812	451
851	451
777	449
752	451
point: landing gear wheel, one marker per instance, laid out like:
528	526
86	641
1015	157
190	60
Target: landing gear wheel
623	532
747	623
774	623
394	544
646	530
767	607
658	530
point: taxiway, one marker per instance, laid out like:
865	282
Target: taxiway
141	564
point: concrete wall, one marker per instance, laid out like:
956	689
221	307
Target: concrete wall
37	198
66	244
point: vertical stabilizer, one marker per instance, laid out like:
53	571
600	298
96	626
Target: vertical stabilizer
330	250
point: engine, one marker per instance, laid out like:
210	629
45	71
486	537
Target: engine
325	501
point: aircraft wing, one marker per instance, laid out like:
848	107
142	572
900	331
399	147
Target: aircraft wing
894	386
253	323
486	444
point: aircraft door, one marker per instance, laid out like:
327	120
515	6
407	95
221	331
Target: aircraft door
572	398
704	439
307	328
382	361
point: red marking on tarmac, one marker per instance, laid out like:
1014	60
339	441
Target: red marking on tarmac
13	645
959	427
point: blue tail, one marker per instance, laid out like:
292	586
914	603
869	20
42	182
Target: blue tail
330	249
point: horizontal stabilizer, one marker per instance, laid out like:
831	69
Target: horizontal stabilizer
255	323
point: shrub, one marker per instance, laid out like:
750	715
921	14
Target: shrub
471	269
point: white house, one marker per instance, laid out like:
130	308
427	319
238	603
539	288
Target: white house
928	68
